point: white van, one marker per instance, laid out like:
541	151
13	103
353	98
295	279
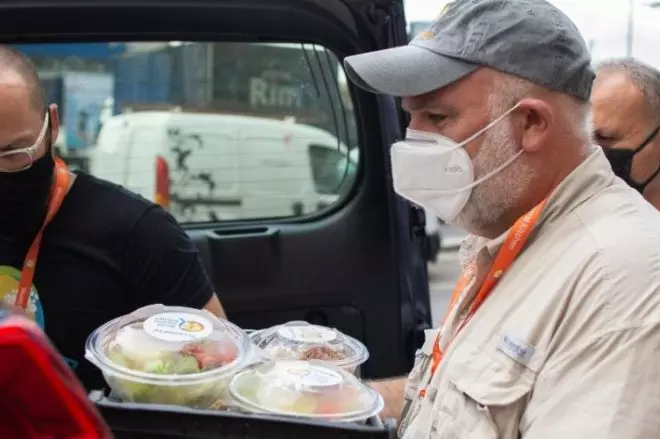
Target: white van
208	167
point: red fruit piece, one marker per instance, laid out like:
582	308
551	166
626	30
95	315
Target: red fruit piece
326	408
328	404
211	353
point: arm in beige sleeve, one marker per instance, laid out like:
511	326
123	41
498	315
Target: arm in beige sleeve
605	388
392	391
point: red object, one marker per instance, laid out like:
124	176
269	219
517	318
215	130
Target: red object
162	195
59	190
40	398
211	354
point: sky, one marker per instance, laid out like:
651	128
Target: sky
603	22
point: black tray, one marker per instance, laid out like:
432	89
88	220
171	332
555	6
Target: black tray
150	421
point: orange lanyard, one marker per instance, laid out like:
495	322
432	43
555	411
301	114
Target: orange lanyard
513	244
58	192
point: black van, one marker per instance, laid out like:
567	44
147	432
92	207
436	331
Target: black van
357	262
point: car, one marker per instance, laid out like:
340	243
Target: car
356	262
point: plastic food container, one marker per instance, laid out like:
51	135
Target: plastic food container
300	340
169	355
307	389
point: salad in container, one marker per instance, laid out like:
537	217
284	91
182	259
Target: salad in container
169	355
300	340
307	389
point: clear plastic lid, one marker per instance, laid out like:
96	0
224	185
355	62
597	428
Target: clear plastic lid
309	389
300	340
161	344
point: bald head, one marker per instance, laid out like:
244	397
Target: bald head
626	115
24	113
633	81
16	68
625	103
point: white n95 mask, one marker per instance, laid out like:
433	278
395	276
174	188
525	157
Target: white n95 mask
436	173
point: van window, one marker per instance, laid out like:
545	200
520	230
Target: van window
227	131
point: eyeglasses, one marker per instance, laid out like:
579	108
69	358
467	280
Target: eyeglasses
24	154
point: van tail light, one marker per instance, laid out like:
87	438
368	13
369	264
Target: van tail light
162	195
41	397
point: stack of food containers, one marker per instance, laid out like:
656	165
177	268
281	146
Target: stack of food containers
187	357
169	355
307	389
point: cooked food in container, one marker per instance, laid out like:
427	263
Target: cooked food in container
303	341
169	355
308	389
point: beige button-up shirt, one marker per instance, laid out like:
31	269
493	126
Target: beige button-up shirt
567	346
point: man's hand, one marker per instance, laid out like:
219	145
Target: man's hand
392	391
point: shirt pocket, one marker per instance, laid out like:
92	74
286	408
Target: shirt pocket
485	393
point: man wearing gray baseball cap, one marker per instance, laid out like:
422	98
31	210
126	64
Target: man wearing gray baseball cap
553	330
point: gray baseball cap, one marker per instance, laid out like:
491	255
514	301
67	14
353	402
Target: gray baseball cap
531	39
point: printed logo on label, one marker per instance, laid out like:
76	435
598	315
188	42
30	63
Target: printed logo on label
516	349
314	377
177	327
307	334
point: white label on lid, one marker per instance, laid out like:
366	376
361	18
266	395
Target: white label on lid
311	376
177	327
307	333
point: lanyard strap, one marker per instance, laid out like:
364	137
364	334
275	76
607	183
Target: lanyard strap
57	194
513	244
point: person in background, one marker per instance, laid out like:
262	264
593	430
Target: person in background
626	116
554	326
76	251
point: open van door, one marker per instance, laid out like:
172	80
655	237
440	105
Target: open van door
357	264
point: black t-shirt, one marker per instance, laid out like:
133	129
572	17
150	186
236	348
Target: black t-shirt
106	253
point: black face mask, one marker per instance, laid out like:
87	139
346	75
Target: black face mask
622	160
24	197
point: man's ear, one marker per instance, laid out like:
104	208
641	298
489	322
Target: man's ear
537	118
54	116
